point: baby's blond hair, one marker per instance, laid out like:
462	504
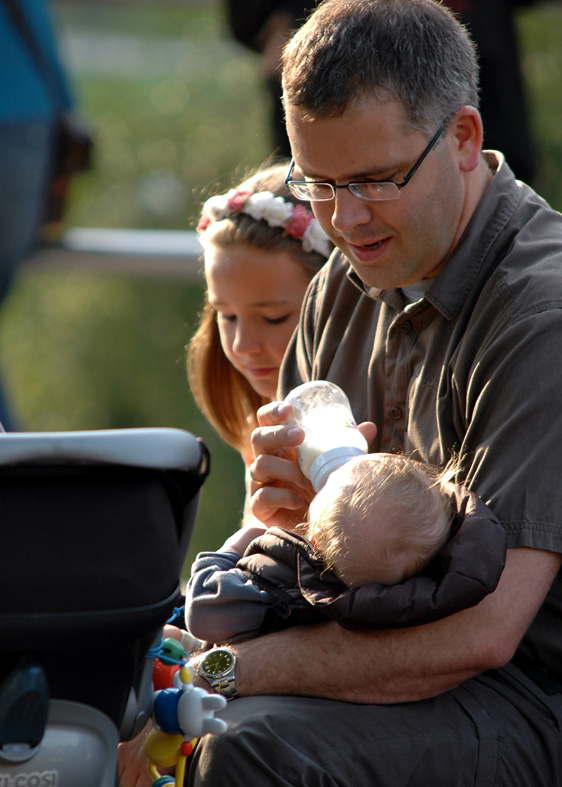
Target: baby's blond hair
380	518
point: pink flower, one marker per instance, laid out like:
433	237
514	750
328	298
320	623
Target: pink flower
204	222
299	222
238	200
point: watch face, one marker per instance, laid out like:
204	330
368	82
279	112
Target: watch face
218	662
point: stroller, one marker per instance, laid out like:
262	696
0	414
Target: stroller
96	527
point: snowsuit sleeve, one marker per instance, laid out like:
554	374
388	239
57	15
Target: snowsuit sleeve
222	604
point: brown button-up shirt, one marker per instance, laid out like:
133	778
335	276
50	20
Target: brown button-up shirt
472	368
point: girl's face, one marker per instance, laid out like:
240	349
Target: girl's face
257	295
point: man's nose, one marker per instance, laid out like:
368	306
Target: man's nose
349	211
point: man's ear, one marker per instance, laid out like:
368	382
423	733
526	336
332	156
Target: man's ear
468	136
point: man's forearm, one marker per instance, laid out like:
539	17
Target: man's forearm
401	665
328	661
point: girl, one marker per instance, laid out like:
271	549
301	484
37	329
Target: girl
261	249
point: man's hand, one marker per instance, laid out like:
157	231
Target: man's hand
280	492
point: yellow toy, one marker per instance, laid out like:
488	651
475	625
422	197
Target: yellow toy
182	714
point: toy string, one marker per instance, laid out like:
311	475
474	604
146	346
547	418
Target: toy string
158	651
177	613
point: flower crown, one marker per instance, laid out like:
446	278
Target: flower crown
296	220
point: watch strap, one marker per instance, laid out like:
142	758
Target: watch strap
226	687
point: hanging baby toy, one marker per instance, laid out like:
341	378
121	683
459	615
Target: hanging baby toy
182	713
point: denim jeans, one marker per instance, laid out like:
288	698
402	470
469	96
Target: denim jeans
25	161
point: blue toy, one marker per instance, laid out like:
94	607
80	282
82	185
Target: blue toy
182	713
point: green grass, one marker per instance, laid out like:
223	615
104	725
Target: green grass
88	351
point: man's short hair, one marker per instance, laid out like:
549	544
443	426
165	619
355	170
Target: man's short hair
414	51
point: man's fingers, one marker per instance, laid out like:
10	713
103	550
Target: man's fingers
278	440
275	470
277	497
274	413
368	430
278	506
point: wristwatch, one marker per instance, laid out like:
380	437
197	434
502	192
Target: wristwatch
218	668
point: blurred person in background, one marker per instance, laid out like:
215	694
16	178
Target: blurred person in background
34	94
265	26
503	103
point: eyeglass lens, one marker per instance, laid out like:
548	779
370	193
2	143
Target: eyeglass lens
369	190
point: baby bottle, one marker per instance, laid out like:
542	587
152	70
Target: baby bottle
331	436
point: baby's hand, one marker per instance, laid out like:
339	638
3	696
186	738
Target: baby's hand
239	541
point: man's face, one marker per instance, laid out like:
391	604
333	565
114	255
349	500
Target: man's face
392	243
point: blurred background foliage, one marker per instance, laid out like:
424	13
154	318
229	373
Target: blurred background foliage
178	108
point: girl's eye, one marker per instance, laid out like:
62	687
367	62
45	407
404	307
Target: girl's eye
222	317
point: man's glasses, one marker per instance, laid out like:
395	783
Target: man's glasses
370	190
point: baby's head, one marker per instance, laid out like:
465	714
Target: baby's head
380	518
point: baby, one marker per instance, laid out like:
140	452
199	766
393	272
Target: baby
378	522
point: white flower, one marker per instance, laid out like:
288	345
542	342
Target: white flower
276	211
315	239
217	207
263	205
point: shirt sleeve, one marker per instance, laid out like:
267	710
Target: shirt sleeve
221	603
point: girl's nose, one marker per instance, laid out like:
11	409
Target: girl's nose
247	339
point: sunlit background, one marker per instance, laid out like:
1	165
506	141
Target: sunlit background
177	107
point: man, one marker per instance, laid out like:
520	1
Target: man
441	320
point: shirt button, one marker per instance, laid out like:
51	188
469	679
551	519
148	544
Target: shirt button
405	326
396	413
